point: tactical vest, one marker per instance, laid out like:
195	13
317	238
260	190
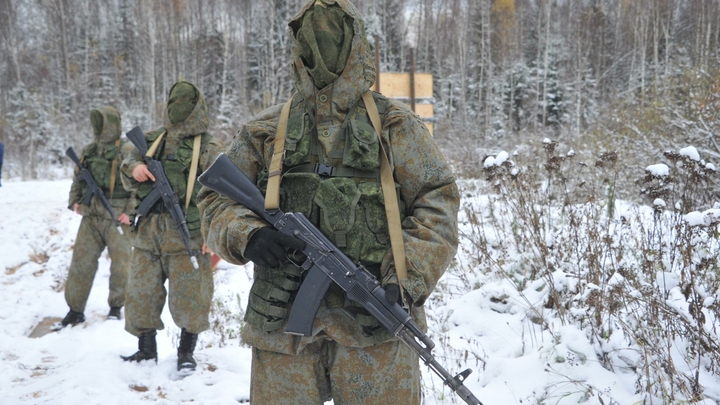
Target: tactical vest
100	167
177	168
344	200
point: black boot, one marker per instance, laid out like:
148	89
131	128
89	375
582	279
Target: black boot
114	313
147	348
72	318
185	351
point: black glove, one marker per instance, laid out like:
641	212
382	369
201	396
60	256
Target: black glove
268	247
392	293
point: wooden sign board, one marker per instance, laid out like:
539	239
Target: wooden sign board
397	85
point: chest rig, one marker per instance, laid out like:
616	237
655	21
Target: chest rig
103	166
342	196
177	164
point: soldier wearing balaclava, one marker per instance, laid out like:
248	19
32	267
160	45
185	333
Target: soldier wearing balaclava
97	228
159	253
330	173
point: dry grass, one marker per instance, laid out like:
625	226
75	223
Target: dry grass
644	273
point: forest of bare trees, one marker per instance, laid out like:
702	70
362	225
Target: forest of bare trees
638	76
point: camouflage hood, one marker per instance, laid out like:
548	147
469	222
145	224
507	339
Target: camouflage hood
196	123
359	72
108	119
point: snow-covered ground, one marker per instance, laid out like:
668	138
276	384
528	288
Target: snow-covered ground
488	327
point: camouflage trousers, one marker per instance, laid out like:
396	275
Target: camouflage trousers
386	374
94	235
159	255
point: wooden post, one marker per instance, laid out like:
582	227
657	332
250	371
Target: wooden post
412	78
377	63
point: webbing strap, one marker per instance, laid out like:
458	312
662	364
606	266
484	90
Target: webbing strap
332	171
113	169
391	203
272	193
155	145
193	170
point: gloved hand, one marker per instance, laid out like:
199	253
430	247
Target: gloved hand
392	293
267	247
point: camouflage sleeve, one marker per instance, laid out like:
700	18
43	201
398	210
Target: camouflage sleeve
209	154
226	225
427	184
131	158
75	190
129	206
76	194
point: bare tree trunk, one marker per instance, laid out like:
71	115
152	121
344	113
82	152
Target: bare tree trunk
63	43
546	60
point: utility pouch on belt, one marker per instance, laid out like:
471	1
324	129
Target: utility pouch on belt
267	306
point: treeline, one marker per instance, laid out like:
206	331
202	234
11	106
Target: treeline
596	73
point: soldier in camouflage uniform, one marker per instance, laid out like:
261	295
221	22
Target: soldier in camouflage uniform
331	175
97	230
159	253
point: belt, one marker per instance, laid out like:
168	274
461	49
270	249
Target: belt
324	170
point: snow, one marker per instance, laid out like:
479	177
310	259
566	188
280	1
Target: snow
497	160
82	365
690	152
705	218
658	170
659	202
520	351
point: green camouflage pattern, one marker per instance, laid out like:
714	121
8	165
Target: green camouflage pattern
97	228
178	143
386	374
426	186
97	157
158	255
94	235
158	250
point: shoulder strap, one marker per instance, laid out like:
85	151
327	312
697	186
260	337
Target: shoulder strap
155	145
388	186
272	193
193	170
113	169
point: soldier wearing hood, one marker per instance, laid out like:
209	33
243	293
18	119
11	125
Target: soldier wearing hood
330	173
97	229
158	250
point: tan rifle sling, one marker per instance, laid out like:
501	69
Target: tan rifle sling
392	210
272	193
193	170
193	164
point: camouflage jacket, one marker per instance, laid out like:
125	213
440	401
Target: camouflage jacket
98	158
176	152
426	187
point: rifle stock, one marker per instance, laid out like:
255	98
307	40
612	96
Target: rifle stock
162	190
325	263
93	188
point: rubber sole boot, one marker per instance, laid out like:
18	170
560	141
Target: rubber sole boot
72	318
147	348
186	348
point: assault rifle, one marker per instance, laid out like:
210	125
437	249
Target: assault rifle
93	189
325	263
162	190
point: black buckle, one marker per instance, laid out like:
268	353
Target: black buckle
323	170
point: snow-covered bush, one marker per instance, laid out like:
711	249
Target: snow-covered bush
640	281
